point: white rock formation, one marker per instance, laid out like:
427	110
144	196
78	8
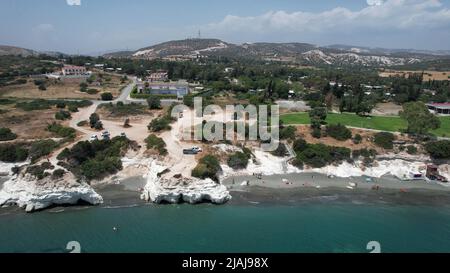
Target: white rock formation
173	190
28	193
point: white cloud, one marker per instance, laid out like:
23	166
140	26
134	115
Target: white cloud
375	2
74	2
387	17
43	28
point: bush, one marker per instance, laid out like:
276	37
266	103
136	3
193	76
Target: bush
42	148
98	125
300	145
411	149
288	133
107	96
160	124
6	134
384	140
154	102
320	155
82	123
154	142
238	161
61	131
357	139
92	91
73	109
439	149
63	115
39	171
339	132
61	105
42	87
280	151
208	167
13	153
59	173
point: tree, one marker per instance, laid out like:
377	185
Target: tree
154	102
83	87
93	119
107	96
319	114
419	118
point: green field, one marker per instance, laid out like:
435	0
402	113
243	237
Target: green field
393	124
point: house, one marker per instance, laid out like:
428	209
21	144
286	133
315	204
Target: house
178	89
71	70
160	76
439	108
229	70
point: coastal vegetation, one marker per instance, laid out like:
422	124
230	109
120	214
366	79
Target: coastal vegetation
156	143
95	160
318	155
338	132
13	153
208	167
239	160
384	140
6	134
62	131
439	149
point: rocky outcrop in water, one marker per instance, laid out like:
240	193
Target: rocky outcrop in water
179	190
31	194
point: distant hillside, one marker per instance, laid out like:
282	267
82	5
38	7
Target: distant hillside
285	52
16	51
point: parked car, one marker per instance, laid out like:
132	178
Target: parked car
93	138
190	152
106	135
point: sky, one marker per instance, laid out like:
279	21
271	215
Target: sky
97	26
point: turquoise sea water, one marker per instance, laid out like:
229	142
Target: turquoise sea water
231	228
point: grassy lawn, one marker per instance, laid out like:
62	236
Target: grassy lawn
393	124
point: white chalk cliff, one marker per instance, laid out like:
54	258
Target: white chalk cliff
159	190
31	194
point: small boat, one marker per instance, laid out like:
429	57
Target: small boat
353	185
350	188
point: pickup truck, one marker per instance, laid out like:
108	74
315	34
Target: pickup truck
190	151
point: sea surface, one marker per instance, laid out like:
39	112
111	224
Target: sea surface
320	227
